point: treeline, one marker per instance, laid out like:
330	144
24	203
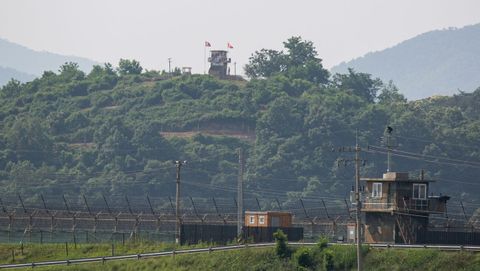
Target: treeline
108	131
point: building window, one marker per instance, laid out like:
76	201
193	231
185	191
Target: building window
252	219
419	191
261	219
376	190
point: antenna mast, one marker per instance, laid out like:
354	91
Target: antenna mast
389	147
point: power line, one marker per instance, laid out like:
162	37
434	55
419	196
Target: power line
423	159
430	156
434	142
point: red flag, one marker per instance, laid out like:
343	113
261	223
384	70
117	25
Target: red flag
207	44
229	46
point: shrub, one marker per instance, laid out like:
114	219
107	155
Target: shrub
303	257
322	243
281	244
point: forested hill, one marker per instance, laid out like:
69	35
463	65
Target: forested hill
117	131
438	62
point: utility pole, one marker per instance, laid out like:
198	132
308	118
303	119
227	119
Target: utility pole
169	65
358	204
178	165
241	163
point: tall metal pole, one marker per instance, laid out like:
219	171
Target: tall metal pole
389	146
358	207
389	152
178	165
169	62
241	162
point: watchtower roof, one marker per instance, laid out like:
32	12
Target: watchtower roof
395	177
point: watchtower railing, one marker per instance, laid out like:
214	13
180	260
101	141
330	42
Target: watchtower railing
405	205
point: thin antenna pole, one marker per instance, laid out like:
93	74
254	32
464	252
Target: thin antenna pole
389	148
389	152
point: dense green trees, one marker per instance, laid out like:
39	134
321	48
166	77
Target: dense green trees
116	131
300	62
126	66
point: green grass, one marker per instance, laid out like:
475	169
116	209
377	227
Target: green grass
247	259
45	252
428	259
318	258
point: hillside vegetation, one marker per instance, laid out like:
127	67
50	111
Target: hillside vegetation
117	131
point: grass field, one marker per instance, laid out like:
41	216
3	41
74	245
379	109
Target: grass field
303	258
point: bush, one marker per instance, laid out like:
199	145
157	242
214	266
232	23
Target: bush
281	248
322	243
303	257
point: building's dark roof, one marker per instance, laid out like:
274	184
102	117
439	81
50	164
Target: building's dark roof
395	177
267	213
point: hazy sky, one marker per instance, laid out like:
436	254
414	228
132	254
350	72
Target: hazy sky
152	31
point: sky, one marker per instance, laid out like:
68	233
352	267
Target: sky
153	31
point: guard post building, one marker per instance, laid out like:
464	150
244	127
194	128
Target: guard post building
397	208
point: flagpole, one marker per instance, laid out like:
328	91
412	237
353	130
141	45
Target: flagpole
204	59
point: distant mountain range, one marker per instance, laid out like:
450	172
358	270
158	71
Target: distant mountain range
8	73
24	64
439	62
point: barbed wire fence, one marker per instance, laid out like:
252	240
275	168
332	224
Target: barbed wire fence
105	219
82	219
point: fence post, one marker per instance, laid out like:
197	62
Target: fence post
74	240
66	248
113	248
13	255
21	247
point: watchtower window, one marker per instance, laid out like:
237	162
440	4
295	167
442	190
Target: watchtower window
376	190
419	191
252	219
